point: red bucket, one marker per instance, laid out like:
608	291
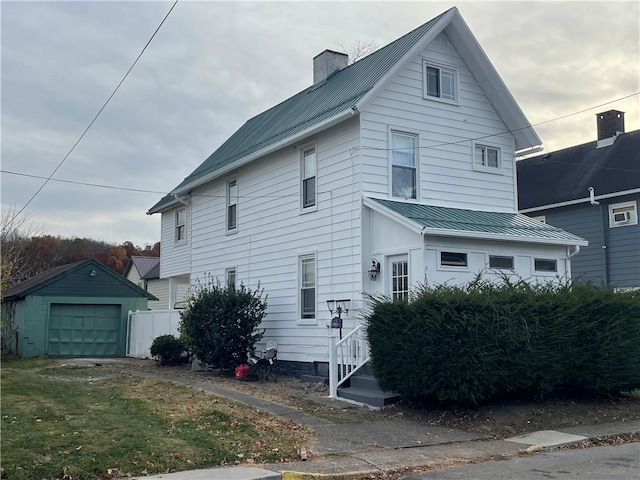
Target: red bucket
242	371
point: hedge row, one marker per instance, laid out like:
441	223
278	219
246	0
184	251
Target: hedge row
485	341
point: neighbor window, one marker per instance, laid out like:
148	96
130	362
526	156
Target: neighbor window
309	166
440	82
453	259
181	225
500	263
403	165
486	157
540	218
623	214
308	286
230	274
232	205
399	277
545	265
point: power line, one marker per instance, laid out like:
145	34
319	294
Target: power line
48	179
137	190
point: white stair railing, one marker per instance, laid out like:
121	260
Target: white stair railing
346	356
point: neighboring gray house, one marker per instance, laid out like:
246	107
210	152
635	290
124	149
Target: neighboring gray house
591	190
145	272
396	170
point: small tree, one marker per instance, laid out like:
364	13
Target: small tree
220	324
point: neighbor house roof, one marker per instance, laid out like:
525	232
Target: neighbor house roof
566	175
147	267
52	275
458	222
344	93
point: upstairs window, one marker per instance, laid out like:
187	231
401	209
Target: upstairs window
309	167
181	225
440	83
403	165
232	205
308	286
486	158
623	214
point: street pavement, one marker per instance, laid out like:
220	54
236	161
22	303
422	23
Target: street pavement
343	451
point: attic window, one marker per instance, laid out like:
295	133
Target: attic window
440	82
623	214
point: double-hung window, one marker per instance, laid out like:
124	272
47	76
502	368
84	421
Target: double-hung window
230	274
440	83
181	225
232	205
486	158
309	167
403	165
308	286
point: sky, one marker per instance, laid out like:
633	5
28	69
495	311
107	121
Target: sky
213	65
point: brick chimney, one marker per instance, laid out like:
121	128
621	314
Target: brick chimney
610	124
327	63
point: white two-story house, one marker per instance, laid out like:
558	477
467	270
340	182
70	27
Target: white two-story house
396	170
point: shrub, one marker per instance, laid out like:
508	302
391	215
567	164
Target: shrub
169	350
221	324
485	340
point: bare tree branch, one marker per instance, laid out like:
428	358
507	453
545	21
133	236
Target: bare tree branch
358	50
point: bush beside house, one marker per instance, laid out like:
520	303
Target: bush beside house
485	341
220	324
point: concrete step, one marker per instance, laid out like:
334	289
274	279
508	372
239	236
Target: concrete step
366	382
374	398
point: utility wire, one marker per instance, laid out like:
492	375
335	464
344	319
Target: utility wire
7	172
48	179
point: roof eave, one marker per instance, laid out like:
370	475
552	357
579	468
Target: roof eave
507	238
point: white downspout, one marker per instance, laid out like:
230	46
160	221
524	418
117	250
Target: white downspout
569	255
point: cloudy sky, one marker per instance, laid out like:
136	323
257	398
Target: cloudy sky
213	65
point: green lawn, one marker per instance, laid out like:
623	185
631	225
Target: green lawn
58	420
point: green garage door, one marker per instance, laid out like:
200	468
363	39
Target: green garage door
84	330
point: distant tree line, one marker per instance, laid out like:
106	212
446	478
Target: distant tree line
26	251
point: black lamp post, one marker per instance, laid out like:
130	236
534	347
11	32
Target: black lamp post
338	307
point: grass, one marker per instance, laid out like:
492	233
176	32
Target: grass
69	420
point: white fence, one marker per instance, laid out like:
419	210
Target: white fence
144	326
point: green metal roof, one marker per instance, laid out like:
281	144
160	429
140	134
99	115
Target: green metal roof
314	105
510	226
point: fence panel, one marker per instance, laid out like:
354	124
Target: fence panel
144	326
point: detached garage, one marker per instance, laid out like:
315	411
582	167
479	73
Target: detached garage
78	309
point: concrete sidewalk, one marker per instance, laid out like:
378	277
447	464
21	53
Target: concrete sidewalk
346	451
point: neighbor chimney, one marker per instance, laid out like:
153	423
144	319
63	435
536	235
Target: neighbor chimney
610	124
326	63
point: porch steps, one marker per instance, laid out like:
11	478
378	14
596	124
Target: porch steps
363	388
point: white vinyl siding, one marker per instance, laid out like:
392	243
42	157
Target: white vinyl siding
175	257
446	132
273	235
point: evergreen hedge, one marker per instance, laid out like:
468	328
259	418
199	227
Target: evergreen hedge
485	340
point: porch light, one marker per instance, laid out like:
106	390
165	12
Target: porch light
375	270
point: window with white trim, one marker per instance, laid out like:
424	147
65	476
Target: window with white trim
399	270
403	164
499	262
308	286
232	205
440	82
486	158
453	259
230	276
181	225
545	265
309	168
623	214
